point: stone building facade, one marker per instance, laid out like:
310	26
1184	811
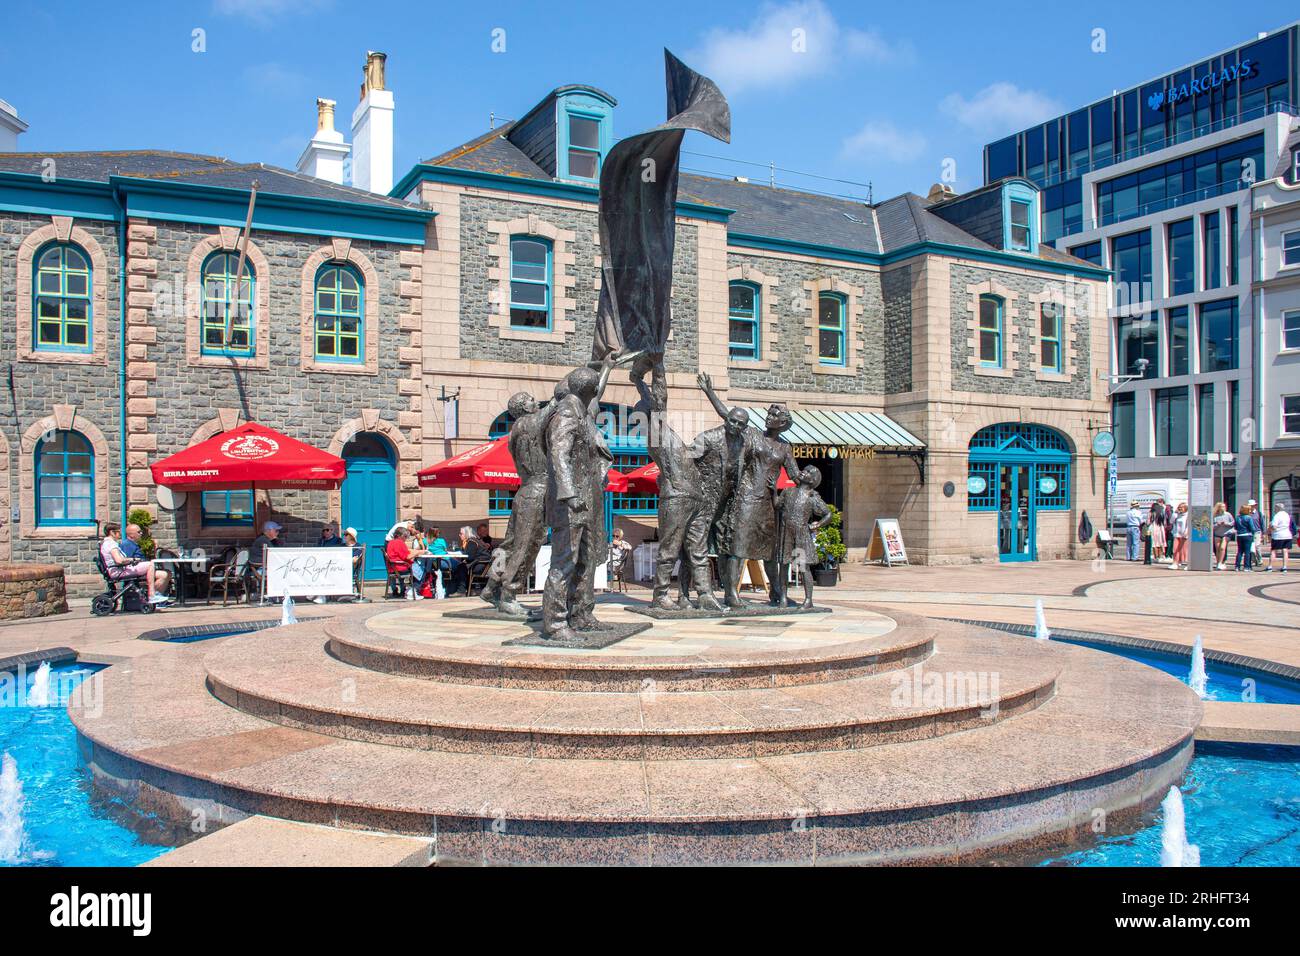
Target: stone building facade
846	309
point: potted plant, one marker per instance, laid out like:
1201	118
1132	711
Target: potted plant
144	519
830	551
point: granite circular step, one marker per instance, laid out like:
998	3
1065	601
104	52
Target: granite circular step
290	680
1113	738
710	654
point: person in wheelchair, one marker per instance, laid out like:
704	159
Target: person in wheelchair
121	566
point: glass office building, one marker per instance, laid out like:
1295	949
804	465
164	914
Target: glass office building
1154	183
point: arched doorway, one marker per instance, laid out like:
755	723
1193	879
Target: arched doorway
1018	470
368	500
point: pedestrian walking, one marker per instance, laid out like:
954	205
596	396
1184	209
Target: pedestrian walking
1157	532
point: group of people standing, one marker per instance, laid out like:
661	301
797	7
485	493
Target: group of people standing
1162	534
718	491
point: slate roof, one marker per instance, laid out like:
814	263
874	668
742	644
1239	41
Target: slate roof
193	169
773	212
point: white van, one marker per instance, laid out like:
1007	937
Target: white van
1144	491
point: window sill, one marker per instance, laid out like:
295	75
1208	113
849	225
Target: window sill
993	372
229	361
95	357
70	532
821	369
1059	377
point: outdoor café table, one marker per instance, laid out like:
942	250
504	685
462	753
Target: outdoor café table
181	566
434	562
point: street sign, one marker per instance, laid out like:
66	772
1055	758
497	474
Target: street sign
1112	475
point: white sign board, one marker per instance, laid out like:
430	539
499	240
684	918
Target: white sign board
308	572
542	567
887	543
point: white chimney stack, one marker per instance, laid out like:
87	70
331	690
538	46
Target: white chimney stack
326	152
11	127
372	130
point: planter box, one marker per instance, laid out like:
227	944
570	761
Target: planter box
826	577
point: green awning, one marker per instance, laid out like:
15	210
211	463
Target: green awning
843	427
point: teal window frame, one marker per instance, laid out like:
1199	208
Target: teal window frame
751	351
996	330
329	320
216	509
1050	311
570	147
53	459
841	308
582	104
501	501
1007	444
62	296
545	284
1020	196
217	308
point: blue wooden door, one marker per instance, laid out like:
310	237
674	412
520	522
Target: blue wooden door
369	496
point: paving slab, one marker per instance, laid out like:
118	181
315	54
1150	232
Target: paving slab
267	842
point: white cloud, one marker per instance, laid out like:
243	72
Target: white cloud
785	43
264	11
883	140
1001	108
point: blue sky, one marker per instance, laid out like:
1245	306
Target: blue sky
882	92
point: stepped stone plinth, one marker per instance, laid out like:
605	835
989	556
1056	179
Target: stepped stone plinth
856	736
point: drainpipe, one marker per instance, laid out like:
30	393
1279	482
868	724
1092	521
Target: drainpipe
121	367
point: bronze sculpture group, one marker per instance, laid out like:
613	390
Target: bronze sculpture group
717	492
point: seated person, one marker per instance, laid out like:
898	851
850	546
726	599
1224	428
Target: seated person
358	550
619	550
329	537
478	557
120	566
485	537
269	538
399	555
407	523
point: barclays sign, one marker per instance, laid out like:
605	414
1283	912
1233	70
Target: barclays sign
1189	91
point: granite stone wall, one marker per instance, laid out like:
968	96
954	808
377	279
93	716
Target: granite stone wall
794	367
896	290
30	390
480	340
1023	312
308	405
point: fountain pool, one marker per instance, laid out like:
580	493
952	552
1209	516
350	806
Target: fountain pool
1223	681
63	821
1241	808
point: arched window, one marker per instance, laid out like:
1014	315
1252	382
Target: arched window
62	300
65	480
830	329
340	331
227	311
990	331
530	283
744	308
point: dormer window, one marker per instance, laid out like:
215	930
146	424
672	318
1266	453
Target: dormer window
1019	217
584	146
1020	232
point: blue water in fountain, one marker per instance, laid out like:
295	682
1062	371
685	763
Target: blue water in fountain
64	823
1242	805
1225	681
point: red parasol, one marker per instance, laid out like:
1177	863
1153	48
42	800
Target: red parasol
246	456
489	466
646	479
